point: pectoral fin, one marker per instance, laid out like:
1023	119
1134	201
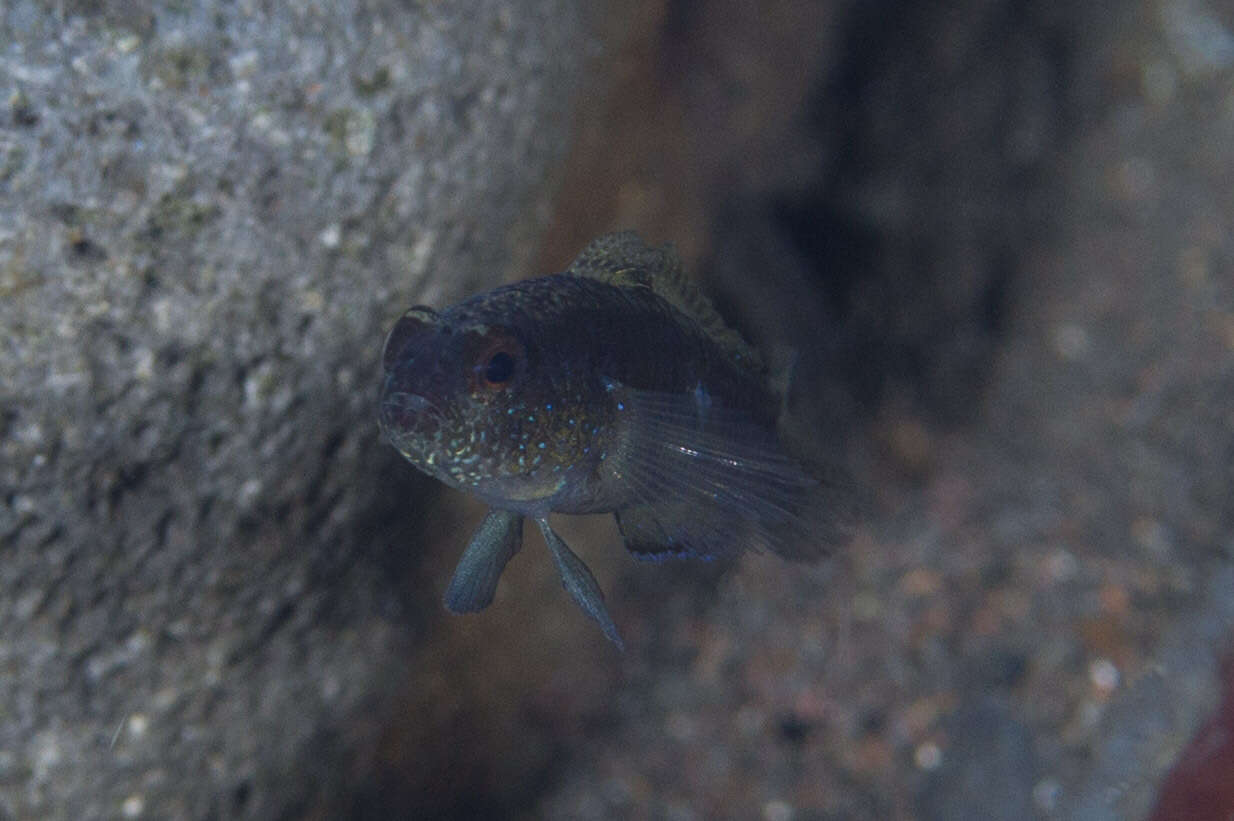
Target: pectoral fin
579	583
498	538
711	481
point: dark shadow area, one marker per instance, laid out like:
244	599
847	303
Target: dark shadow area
902	248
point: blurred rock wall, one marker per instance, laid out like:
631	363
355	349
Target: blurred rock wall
209	215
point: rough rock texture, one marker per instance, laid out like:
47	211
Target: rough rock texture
209	214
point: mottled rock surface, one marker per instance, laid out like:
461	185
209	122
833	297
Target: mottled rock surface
209	214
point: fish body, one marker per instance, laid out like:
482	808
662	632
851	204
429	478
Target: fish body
612	387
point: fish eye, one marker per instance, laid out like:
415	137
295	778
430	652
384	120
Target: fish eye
499	369
497	356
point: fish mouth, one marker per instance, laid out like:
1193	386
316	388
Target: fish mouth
403	412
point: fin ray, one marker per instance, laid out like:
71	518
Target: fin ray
576	578
711	481
475	578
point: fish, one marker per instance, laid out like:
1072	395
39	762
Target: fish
612	387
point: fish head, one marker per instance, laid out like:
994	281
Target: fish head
466	399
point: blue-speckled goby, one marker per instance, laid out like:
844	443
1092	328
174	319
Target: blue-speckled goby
612	387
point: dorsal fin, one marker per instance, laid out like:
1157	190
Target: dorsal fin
624	260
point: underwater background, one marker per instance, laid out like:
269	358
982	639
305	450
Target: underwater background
993	238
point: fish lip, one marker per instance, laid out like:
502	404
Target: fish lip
413	402
400	409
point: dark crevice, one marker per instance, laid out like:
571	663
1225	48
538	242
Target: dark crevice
910	234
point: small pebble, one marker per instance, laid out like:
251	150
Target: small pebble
1070	341
133	806
928	756
777	810
1103	674
1046	793
331	235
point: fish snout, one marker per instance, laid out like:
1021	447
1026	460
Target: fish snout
402	412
